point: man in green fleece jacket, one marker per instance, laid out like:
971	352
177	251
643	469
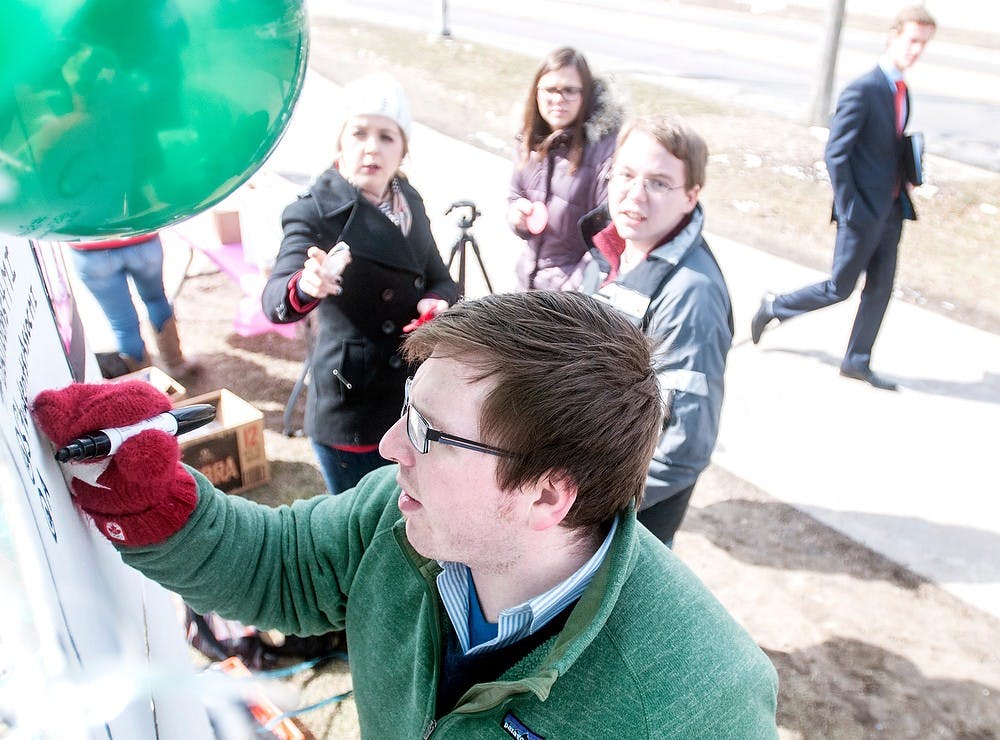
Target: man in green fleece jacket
494	582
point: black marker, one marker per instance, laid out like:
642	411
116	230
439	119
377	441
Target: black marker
106	442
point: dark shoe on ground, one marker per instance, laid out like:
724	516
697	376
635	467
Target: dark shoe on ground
112	365
115	364
874	380
763	317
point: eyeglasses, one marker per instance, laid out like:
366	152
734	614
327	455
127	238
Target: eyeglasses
570	93
421	433
654	187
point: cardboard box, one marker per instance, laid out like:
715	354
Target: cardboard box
227	225
229	451
159	380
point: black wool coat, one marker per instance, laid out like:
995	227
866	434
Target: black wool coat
356	387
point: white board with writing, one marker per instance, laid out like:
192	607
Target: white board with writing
88	647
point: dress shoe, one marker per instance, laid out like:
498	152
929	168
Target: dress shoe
763	317
869	377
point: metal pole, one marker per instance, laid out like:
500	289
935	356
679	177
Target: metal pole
441	17
819	107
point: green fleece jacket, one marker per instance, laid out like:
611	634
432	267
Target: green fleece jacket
647	651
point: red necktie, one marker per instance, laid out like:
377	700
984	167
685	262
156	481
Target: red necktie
900	103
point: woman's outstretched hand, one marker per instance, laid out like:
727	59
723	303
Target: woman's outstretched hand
323	271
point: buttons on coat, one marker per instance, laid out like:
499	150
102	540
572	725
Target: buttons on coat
395	362
388	327
419	283
388	294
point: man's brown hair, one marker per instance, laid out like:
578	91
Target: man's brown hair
678	138
574	395
913	14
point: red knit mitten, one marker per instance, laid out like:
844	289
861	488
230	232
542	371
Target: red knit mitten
140	495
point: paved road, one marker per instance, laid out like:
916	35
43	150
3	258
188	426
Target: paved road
764	62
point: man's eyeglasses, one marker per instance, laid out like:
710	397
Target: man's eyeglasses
569	93
421	433
653	186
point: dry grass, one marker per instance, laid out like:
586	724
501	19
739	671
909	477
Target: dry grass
863	648
767	184
765	189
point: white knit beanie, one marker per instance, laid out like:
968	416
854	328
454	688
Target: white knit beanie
378	94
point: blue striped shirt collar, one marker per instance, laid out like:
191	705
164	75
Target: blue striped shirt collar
518	621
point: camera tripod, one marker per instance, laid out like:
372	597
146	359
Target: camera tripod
465	238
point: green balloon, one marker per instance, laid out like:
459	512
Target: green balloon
121	117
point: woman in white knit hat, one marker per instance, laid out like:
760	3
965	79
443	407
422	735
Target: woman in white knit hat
358	251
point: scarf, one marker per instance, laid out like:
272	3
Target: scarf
396	209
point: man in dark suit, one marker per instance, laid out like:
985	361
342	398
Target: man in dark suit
864	156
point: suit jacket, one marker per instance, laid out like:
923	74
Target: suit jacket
864	155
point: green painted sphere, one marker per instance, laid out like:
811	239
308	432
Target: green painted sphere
120	117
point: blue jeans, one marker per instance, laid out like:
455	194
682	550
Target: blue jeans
342	470
105	272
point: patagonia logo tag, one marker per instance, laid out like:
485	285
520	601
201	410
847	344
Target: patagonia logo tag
516	728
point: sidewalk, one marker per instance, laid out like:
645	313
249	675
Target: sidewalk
912	475
443	171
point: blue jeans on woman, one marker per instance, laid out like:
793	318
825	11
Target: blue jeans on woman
342	470
106	272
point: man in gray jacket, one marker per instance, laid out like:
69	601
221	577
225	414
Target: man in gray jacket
650	261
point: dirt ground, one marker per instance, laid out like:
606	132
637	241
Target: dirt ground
767	184
863	648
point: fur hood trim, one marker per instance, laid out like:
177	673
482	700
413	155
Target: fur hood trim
608	113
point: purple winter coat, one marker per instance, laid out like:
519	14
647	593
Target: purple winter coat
551	260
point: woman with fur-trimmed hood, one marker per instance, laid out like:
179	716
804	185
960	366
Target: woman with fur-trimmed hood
565	147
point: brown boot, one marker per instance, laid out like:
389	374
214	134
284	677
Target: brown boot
171	357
